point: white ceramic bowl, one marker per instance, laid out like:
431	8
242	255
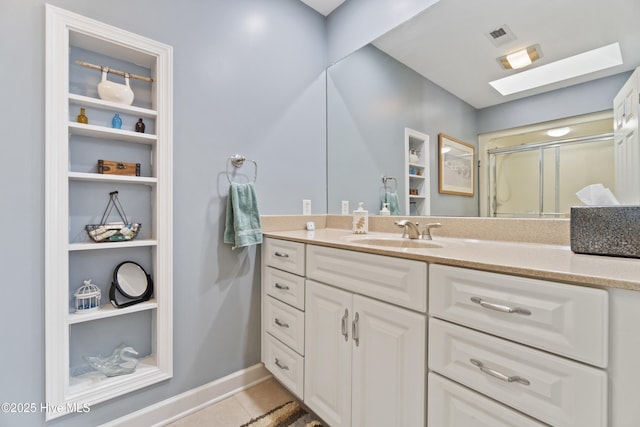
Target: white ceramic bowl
115	92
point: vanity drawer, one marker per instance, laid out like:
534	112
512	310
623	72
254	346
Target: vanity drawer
285	323
395	280
285	364
285	286
553	389
285	255
452	405
566	319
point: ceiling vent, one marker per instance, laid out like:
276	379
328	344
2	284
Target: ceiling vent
501	36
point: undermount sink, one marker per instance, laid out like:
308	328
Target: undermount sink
394	242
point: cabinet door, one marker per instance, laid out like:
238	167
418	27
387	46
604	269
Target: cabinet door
327	374
389	365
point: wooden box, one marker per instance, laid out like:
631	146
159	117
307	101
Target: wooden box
118	168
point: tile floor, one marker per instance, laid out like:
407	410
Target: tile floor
239	408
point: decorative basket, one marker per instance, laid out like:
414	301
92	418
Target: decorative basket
113	231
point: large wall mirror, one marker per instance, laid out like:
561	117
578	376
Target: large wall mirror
431	75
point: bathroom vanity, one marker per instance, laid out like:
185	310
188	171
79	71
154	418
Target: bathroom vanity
374	331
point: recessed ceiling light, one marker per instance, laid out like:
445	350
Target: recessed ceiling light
574	66
520	58
558	132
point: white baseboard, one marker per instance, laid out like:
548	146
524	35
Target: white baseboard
186	403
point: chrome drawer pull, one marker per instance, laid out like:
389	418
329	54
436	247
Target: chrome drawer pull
499	375
283	287
281	366
355	330
499	307
281	255
281	324
345	330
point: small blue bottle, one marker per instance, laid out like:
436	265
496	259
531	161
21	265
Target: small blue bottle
116	122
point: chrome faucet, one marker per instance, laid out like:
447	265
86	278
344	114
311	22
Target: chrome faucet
412	230
409	229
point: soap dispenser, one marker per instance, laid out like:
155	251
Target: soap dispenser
385	210
360	220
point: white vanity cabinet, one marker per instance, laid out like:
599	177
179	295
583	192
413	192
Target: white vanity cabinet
364	358
345	332
283	312
538	347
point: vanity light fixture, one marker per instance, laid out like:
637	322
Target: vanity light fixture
558	132
563	69
521	58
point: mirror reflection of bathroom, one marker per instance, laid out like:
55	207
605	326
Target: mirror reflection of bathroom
536	170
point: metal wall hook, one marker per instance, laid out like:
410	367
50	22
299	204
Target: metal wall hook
386	178
237	161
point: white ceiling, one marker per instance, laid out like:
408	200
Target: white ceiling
325	7
447	43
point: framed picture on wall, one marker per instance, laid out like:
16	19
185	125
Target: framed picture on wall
456	171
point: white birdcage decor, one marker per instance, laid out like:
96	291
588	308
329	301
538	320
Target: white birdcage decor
87	297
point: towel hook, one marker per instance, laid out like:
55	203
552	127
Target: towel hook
237	161
387	178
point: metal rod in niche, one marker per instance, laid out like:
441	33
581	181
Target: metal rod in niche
116	72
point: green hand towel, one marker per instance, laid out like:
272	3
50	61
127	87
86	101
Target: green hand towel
242	224
393	204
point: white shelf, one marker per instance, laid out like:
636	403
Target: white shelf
419	204
92	246
108	310
110	133
86	101
98	177
93	387
92	379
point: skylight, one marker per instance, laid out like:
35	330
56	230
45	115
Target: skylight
574	66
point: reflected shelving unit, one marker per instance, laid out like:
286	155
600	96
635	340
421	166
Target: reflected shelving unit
417	183
75	195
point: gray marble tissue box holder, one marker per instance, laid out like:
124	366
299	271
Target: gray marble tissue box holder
606	230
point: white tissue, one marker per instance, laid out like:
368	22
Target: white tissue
597	195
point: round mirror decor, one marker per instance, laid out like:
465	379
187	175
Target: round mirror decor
131	285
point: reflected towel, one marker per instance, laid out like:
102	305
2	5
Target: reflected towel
242	225
392	202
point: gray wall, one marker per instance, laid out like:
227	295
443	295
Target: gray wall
357	22
371	98
260	94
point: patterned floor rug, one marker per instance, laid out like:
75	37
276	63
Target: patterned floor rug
290	414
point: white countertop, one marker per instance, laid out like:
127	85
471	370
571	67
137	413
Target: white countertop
543	261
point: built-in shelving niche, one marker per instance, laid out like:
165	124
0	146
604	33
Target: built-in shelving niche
76	195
